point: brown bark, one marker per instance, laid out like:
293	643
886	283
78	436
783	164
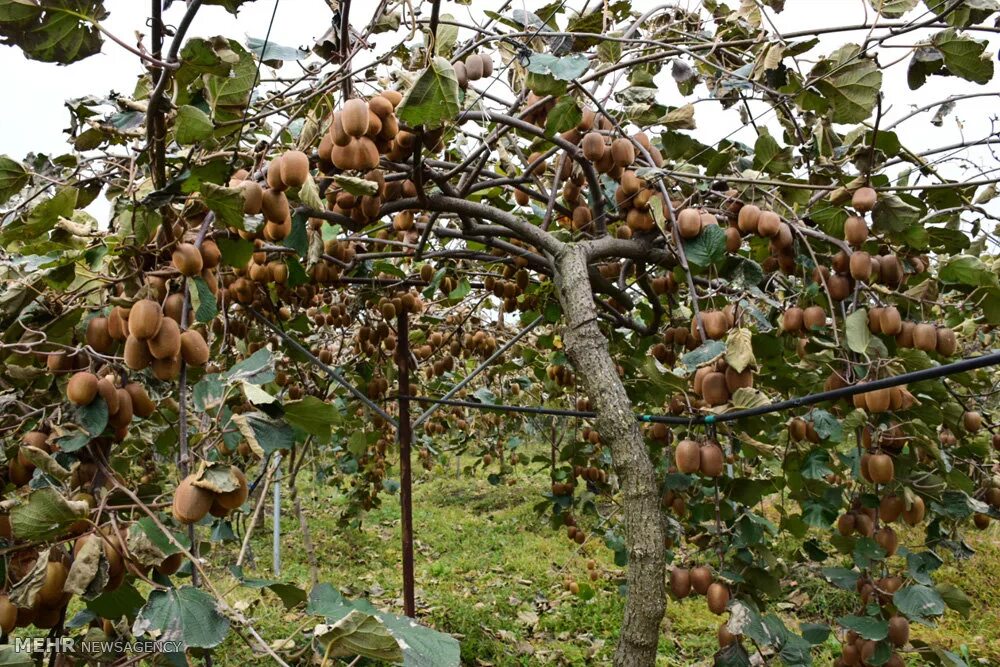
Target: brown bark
644	530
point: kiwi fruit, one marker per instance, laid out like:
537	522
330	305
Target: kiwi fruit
275	206
793	319
622	152
712	460
839	286
881	469
878	400
107	390
210	254
713	389
905	336
123	417
680	582
8	614
234	499
167	341
864	199
899	631
137	356
98	336
592	145
736	380
925	337
689	223
797	429
173	306
747	218
915	513
191	503
194	350
972	421
118	323
82	388
51	592
947	344
718	598
142	405
855	231
890	508
474	67
887	539
274	176
813	317
861	265
890	321
187	259
768	224
295	168
275	231
170	564
701	579
846	524
144	318
687	456
354	117
166	369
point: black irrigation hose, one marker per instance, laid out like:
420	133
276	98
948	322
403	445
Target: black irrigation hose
991	359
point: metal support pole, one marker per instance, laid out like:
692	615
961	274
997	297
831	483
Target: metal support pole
276	546
404	434
479	369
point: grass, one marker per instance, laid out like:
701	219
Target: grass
491	573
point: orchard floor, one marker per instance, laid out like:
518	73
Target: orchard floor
491	573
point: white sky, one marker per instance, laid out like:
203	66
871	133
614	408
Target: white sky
33	116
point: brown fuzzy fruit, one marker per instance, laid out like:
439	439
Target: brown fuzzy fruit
878	400
294	168
718	598
890	321
144	319
166	369
82	388
925	337
593	146
701	579
107	390
98	336
687	456
253	197
51	592
123	417
712	460
713	389
972	421
769	224
916	513
191	503
170	564
187	259
864	199
210	254
118	323
275	206
233	499
855	231
142	405
167	341
354	117
886	538
747	219
137	356
680	582
792	320
814	317
8	614
881	469
689	223
947	344
899	631
194	350
622	152
861	265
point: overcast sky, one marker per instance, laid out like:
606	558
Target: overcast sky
33	116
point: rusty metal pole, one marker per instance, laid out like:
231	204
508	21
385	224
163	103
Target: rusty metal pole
404	434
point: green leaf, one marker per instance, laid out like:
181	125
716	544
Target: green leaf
93	417
312	415
892	214
955	598
564	115
264	435
858	335
356	185
43	218
870	628
272	53
433	99
567	68
708	248
56	31
964	57
734	655
918	601
707	352
827	426
967	270
235	252
13	178
186	614
892	9
815	465
848	84
192	125
226	203
44	514
815	633
290	594
258	368
841	577
206	307
770	157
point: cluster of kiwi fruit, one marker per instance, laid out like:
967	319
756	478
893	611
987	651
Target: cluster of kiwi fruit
706	457
701	581
752	219
154	338
194	499
573	586
856	651
796	320
861	520
473	68
123	403
365	209
48	605
561	374
361	131
921	336
717	382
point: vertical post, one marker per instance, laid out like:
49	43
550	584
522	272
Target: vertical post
276	544
405	436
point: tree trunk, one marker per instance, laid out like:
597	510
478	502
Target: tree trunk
644	530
